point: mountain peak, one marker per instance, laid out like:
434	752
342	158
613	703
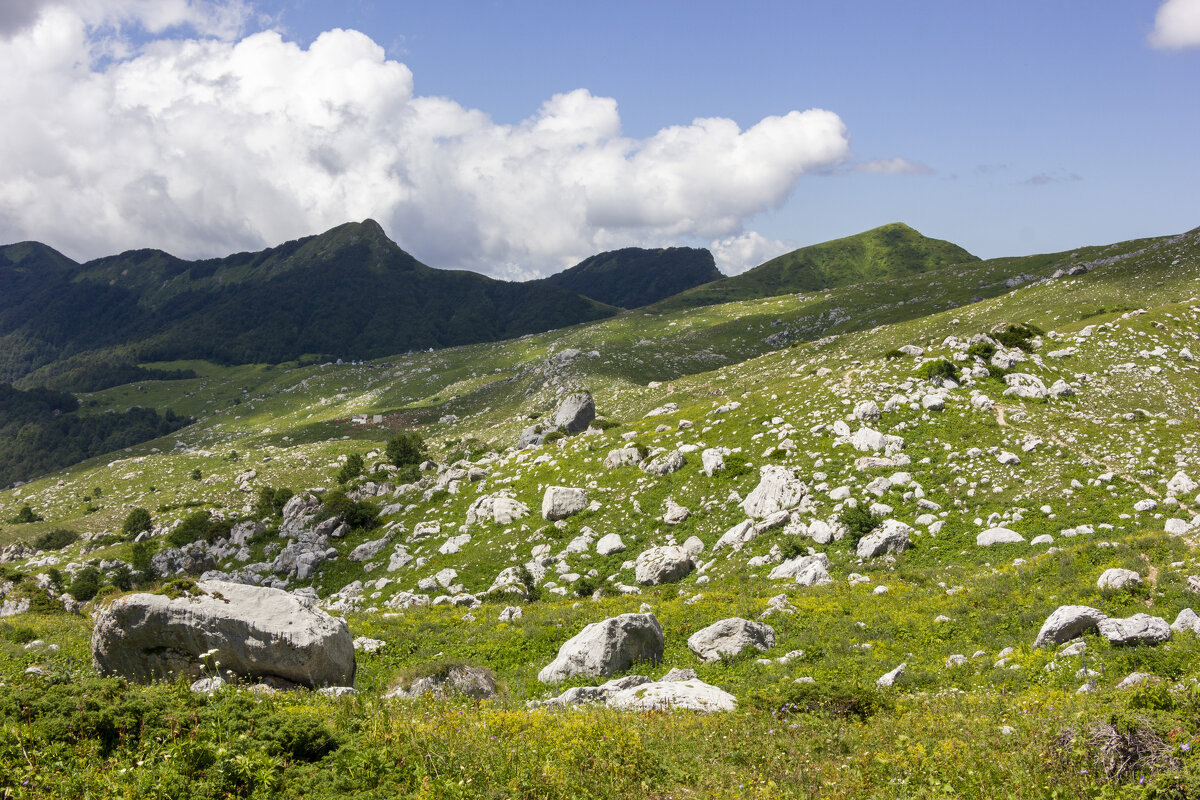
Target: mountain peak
634	276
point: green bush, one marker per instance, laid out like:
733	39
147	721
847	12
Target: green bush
355	513
406	448
792	546
605	424
55	539
859	522
271	501
533	592
17	634
1018	336
984	350
85	584
298	736
858	701
940	368
140	558
351	469
137	522
26	514
585	587
196	527
553	436
196	474
893	354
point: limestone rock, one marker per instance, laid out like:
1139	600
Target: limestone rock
603	648
665	464
610	543
1138	629
623	456
660	565
729	637
712	460
690	695
998	536
892	537
474	682
778	489
1066	623
500	508
575	412
1116	578
256	632
560	502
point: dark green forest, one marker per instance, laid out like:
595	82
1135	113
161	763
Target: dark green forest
42	430
634	277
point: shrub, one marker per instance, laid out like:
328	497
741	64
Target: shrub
532	592
893	354
298	736
939	368
17	634
351	469
355	513
859	522
406	448
122	577
984	350
792	546
553	436
271	501
26	514
196	474
852	701
196	527
55	539
85	584
585	587
136	522
140	558
605	424
1018	336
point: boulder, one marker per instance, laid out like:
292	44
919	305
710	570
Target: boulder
574	413
253	632
889	679
1116	578
660	565
665	464
998	536
606	647
500	508
1187	620
459	679
805	570
892	537
712	460
560	502
729	637
1066	623
368	550
610	543
690	695
533	436
622	457
778	489
1138	629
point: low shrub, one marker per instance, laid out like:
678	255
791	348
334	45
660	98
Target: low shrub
859	522
137	521
55	539
939	368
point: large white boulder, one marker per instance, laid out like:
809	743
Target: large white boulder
1117	578
560	502
998	536
629	455
712	460
1180	484
1138	629
805	570
606	647
575	412
610	543
690	695
500	508
729	637
778	489
892	537
253	631
1066	623
665	464
663	565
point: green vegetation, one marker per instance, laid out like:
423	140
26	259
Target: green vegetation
634	277
137	521
55	539
939	368
351	469
407	449
196	527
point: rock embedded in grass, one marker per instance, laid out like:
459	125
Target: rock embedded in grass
1066	623
729	637
607	647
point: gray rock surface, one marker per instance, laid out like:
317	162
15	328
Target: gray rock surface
892	537
255	632
1138	629
729	637
665	464
1066	623
606	647
460	679
998	536
560	502
660	565
690	695
500	508
1116	578
778	489
628	456
574	413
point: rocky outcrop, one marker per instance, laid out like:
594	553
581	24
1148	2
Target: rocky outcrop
1138	629
251	632
500	508
574	413
892	537
998	536
607	647
660	565
689	695
560	502
778	489
1066	623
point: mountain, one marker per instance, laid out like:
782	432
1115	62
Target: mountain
350	292
890	251
634	277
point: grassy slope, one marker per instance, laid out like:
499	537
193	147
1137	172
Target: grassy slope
932	741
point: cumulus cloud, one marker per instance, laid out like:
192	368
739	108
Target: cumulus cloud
1176	25
204	145
736	254
892	166
220	18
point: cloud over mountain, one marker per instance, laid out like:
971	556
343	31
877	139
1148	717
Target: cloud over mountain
214	143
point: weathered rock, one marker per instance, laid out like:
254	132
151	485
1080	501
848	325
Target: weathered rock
610	543
1187	621
889	679
560	502
1066	623
778	489
1138	629
660	565
254	632
675	513
1181	484
575	412
500	508
606	647
578	695
998	536
629	456
892	537
1116	578
665	464
690	695
867	411
729	637
368	550
712	460
460	679
805	570
533	436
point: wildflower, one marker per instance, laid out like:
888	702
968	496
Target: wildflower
1185	747
209	654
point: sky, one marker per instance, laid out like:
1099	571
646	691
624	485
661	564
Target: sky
517	138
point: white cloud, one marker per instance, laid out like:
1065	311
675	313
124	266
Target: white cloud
205	146
892	166
1176	25
220	18
736	254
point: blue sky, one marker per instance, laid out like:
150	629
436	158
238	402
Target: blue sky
1008	128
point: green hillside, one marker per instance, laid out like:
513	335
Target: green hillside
1051	396
634	277
890	251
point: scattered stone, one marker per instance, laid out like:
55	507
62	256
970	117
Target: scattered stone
1116	578
998	536
1066	623
1138	629
603	648
560	502
892	537
890	678
729	637
659	565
